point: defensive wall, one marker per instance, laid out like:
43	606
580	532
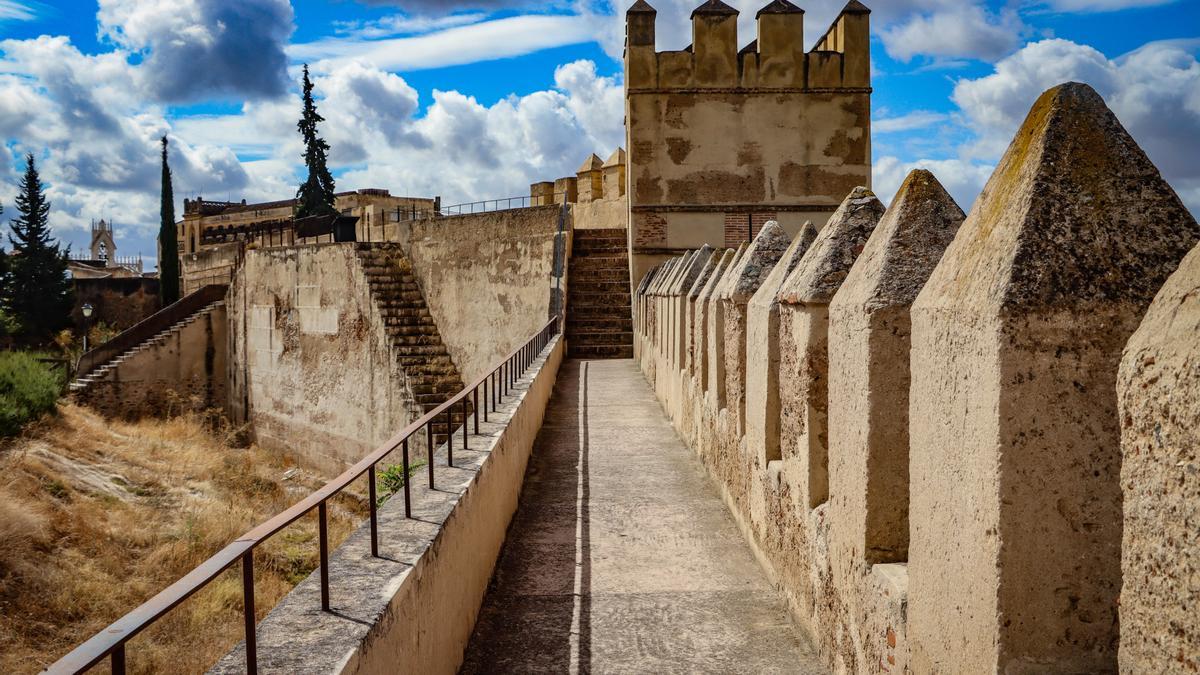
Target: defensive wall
722	138
946	436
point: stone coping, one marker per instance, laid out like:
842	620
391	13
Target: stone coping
413	608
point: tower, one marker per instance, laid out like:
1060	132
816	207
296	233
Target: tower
103	247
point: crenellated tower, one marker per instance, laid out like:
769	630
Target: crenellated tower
721	139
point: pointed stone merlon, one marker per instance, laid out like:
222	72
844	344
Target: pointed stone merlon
689	320
1159	393
700	317
869	340
1015	458
670	303
714	333
775	58
590	180
752	270
683	332
803	342
762	353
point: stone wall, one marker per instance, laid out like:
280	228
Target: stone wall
311	367
934	477
182	370
116	302
487	279
726	133
212	265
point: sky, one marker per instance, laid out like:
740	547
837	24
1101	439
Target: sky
476	99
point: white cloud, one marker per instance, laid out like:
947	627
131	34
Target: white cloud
197	49
917	119
11	10
963	179
400	24
501	38
961	31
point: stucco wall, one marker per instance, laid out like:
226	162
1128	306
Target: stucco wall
487	279
312	369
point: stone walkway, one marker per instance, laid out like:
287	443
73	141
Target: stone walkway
622	556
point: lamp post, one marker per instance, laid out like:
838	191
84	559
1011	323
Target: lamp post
87	315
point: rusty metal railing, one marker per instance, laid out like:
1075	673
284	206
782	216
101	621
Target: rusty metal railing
469	208
496	384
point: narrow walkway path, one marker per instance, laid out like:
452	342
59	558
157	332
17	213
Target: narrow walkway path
622	556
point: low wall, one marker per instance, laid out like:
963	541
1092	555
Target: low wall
487	278
412	610
213	265
602	214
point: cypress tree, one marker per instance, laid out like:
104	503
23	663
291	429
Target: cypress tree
40	297
315	196
168	243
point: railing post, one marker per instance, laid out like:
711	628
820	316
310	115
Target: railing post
118	659
475	402
465	403
450	435
374	511
486	401
429	441
323	544
407	497
247	614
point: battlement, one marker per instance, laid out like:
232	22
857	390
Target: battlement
776	59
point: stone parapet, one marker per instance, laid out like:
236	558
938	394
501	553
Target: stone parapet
957	429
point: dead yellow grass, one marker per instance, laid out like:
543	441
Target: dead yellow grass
98	516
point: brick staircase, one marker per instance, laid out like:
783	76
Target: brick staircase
109	368
416	343
599	314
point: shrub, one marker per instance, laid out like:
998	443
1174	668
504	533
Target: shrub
28	389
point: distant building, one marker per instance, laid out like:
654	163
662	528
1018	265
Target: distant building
102	261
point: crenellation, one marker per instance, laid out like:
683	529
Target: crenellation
714	41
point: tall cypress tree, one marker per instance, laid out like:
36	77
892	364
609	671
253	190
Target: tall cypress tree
40	295
168	244
315	197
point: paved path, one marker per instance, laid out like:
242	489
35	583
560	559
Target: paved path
622	556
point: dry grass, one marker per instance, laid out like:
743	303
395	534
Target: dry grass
98	516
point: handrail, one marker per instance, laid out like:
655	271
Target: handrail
110	642
469	208
149	327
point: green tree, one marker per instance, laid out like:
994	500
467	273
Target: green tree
40	296
168	243
315	197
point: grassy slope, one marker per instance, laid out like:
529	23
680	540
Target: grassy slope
98	516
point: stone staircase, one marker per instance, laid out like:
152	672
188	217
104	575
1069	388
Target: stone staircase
108	370
599	312
416	343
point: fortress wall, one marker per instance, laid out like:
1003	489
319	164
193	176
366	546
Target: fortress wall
954	465
211	265
487	279
720	133
311	367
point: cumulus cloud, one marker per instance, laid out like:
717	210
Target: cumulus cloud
1154	91
960	31
195	49
963	179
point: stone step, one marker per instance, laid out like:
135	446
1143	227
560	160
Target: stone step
599	351
605	312
594	338
595	286
580	297
577	276
596	325
594	262
608	234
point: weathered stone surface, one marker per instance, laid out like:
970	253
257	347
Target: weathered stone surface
1014	556
694	267
762	354
767	248
837	246
1159	391
716	330
700	324
803	345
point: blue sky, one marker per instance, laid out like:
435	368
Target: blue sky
473	99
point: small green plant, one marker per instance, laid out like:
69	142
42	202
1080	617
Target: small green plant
29	389
392	480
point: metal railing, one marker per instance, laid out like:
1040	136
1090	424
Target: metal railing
400	214
149	327
495	384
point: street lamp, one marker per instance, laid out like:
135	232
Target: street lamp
87	314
